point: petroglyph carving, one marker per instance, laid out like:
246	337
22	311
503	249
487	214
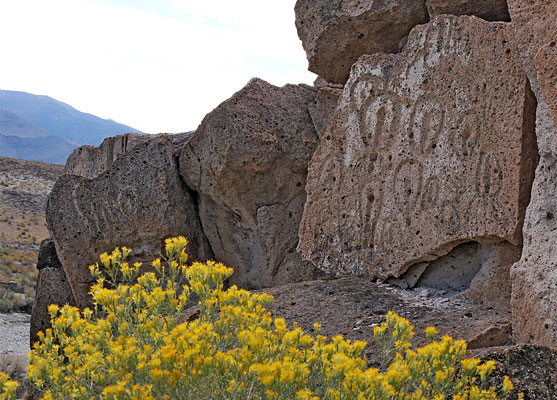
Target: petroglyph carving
428	159
100	217
128	200
137	204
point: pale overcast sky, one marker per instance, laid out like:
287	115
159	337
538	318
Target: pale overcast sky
156	65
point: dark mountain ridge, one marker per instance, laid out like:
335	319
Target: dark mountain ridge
12	124
40	128
48	149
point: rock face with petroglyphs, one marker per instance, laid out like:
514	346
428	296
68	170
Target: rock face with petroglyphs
428	149
534	278
422	143
248	163
335	33
138	202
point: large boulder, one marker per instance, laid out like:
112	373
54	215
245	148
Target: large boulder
336	33
427	150
52	288
248	164
534	278
91	161
491	10
138	202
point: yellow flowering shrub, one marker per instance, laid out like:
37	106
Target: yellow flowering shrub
135	344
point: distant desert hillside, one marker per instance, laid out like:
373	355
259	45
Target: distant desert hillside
24	187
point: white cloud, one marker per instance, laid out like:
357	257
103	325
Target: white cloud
154	73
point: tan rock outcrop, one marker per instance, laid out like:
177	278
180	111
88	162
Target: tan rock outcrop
534	278
248	162
491	10
138	202
428	149
91	161
535	24
336	33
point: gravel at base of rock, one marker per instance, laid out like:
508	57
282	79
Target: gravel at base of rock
352	306
14	334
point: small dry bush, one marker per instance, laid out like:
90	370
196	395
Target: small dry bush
17	266
13	302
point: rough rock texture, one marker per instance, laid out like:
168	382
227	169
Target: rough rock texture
336	33
352	306
427	149
52	288
535	24
91	161
248	162
491	10
324	105
532	369
534	278
496	261
138	203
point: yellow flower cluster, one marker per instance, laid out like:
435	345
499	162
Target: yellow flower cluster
7	387
135	344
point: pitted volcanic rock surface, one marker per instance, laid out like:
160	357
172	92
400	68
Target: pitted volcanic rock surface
427	149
